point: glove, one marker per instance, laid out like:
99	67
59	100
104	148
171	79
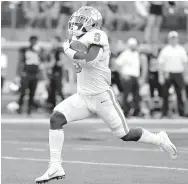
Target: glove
66	45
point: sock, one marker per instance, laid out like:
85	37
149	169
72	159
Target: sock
56	139
150	138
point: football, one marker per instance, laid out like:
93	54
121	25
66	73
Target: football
78	46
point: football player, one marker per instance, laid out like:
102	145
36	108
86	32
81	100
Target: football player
94	94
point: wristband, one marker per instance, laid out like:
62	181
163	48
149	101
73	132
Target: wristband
70	53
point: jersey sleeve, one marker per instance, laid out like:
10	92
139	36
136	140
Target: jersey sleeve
96	37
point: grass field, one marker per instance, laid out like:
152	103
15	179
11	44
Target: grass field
91	154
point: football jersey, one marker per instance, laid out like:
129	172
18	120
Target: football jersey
94	77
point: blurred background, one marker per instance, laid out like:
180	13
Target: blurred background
149	58
147	22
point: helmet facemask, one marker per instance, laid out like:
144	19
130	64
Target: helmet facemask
79	24
84	20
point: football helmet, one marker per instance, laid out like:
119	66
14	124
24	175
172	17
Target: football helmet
84	20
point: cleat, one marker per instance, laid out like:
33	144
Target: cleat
167	145
53	172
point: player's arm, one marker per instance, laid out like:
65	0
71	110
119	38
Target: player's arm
92	55
21	62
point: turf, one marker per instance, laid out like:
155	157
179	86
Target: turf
91	154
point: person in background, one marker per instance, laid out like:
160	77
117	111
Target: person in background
4	63
64	15
117	46
28	72
152	29
130	63
55	72
173	63
45	13
31	11
153	68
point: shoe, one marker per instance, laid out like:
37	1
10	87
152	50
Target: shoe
167	145
53	172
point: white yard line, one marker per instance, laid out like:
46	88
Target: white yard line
102	164
81	147
95	121
32	149
169	130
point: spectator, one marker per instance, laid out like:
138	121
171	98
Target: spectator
129	63
142	12
173	62
116	48
55	72
31	9
153	80
113	14
4	63
152	28
28	72
64	15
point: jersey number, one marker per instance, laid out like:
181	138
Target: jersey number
97	37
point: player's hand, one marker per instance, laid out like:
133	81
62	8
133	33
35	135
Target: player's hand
66	45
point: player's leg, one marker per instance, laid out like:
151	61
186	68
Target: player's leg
53	92
165	95
23	87
71	109
113	116
136	96
179	85
59	86
32	84
149	28
156	29
127	87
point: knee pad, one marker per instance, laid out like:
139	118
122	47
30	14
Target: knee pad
134	134
57	120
